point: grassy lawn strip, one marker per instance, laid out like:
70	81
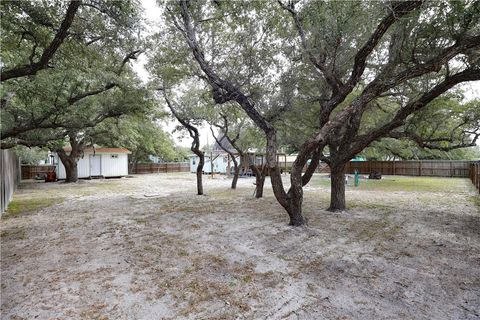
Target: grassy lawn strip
25	205
399	183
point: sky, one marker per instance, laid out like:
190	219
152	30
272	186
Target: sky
153	15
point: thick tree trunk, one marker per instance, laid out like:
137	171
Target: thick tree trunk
70	160
337	196
200	173
70	163
71	171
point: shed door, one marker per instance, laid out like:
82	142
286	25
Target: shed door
95	165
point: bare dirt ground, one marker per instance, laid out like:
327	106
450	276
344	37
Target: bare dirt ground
148	248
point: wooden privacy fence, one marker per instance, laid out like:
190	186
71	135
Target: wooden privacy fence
160	167
10	177
30	172
422	168
475	174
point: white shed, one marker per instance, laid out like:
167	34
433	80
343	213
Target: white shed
98	162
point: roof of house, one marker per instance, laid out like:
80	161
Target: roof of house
217	148
101	150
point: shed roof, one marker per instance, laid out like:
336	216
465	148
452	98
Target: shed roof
101	150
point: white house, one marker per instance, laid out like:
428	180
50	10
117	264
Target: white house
220	163
98	162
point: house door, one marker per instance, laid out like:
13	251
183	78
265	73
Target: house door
95	165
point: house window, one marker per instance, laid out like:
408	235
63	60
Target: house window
114	156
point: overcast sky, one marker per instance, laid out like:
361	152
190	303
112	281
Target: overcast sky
153	14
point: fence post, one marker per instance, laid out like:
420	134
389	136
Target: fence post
477	176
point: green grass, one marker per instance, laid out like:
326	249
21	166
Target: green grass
25	205
475	200
400	183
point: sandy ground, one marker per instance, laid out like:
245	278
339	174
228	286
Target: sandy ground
148	248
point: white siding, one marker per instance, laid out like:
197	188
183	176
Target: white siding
193	163
111	167
219	164
83	167
114	167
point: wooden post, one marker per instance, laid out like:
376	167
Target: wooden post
211	165
451	169
420	168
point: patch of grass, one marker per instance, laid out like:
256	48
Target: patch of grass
379	229
369	205
108	186
415	184
399	183
183	253
25	205
475	200
13	234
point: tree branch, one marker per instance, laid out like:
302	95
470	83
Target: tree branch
62	33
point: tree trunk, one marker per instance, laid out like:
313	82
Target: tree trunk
236	173
70	164
291	201
200	173
295	195
259	180
70	160
71	171
337	196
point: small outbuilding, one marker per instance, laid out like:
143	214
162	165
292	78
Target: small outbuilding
98	162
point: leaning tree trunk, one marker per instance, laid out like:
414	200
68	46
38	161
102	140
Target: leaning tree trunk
337	196
295	193
291	201
200	173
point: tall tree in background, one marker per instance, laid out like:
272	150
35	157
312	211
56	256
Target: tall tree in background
117	104
142	135
238	133
230	122
186	112
224	141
